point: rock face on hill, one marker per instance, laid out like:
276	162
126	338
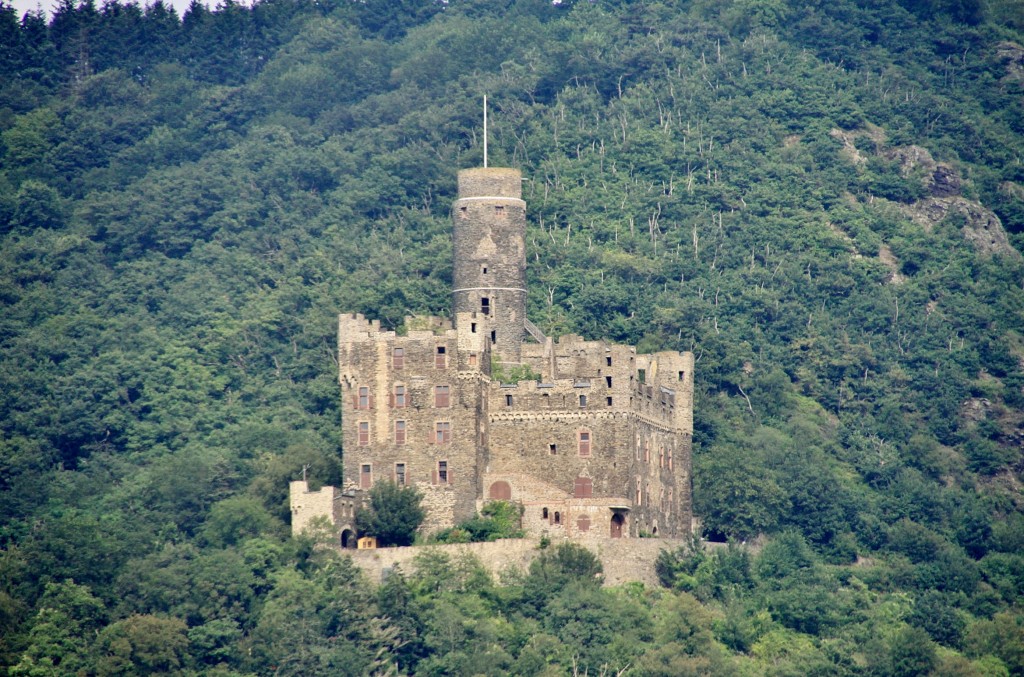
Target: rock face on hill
981	227
1012	56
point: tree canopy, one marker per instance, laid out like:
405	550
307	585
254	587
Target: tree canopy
824	201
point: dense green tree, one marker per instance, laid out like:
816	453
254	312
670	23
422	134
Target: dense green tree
393	515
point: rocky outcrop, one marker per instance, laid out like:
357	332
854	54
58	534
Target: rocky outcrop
982	228
1012	55
939	178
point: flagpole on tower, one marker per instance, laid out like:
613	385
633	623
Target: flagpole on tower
485	130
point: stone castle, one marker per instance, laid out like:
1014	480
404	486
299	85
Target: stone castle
597	445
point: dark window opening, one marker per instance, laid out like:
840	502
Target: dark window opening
508	400
583	401
499	210
494	337
483	270
472	327
462	213
558	517
553	449
544	513
608	381
608	360
608	401
441	358
682	375
442	472
485	305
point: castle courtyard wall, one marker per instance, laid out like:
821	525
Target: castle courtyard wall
624	560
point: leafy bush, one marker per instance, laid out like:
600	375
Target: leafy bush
497	519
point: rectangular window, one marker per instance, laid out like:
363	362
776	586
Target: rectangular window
400	474
553	449
682	375
494	337
443	432
583	488
398	358
442	472
608	360
608	381
399	432
608	401
485	306
472	359
365	476
363	399
584	443
583	401
364	433
442	397
508	400
441	358
400	401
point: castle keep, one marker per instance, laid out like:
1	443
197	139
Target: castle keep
597	447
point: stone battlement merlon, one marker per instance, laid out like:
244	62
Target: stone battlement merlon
490	182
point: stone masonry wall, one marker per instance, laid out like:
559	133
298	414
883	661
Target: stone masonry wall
489	255
398	425
624	561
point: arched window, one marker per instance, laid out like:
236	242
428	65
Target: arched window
558	517
500	491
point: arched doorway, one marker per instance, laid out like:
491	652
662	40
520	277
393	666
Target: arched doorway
348	538
617	521
500	491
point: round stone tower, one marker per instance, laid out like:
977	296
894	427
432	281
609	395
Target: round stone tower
490	255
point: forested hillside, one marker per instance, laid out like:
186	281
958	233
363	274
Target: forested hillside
823	200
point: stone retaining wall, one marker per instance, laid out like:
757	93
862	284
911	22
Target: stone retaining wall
624	560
